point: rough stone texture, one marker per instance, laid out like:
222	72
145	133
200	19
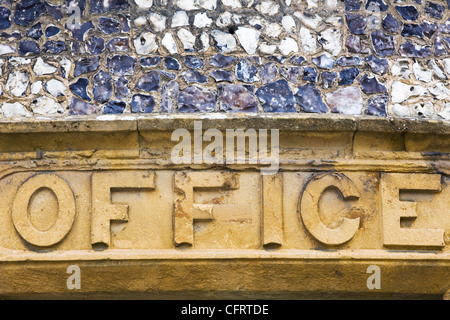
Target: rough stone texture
142	46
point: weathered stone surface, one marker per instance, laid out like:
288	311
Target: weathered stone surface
196	99
346	100
276	97
309	99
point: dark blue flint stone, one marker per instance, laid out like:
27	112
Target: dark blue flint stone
193	62
51	31
297	60
268	73
15	35
35	31
121	65
371	85
408	12
246	71
237	98
291	73
142	103
221	61
356	23
80	88
54	46
95	45
167	74
28	47
379	66
348	76
324	61
413	50
222	75
310	74
434	10
172	63
69	6
428	29
101	6
121	90
150	61
54	11
309	99
278	58
380	3
118	45
349	61
352	5
124	21
194	76
86	65
103	86
78	33
276	97
390	23
439	48
5	13
377	106
114	107
195	99
384	45
27	11
149	82
108	25
328	79
79	107
412	30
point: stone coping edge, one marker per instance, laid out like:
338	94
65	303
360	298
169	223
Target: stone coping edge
169	122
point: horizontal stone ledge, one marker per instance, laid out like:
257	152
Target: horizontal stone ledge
169	122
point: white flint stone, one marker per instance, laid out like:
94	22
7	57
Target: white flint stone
421	74
6	49
46	106
36	87
401	68
15	109
144	4
289	24
266	48
180	19
444	113
331	41
204	39
447	65
224	19
196	4
273	30
437	70
66	64
17	83
288	45
201	20
169	43
224	40
55	87
268	7
249	38
158	21
2	63
234	4
400	110
17	61
308	21
308	41
402	91
145	43
187	39
424	109
140	21
440	91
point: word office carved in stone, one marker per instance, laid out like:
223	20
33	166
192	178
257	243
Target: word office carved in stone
46	208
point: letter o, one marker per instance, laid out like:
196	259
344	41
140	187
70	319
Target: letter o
66	210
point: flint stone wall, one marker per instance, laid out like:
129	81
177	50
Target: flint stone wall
81	57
